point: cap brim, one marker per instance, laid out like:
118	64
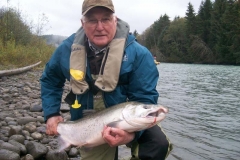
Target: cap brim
84	13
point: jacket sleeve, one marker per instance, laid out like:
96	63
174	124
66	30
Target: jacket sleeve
52	82
144	77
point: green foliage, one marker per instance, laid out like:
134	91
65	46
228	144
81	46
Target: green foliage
23	55
190	20
211	36
18	45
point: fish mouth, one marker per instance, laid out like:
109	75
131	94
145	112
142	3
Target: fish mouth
157	113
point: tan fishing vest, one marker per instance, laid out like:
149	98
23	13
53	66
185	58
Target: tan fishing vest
110	68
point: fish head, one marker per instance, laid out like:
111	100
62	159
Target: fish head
143	116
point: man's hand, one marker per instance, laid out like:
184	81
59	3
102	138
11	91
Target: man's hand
52	123
115	137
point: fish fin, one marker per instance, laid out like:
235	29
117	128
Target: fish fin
122	124
114	124
62	144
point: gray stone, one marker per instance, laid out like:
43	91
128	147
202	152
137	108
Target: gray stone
27	157
34	96
36	108
21	147
25	133
56	155
10	147
12	123
45	141
37	150
3	115
73	152
8	119
30	127
41	129
40	119
8	155
4	123
37	136
15	130
17	137
25	120
4	138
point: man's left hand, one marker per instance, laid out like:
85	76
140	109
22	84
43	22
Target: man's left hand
115	137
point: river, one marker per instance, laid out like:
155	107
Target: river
203	122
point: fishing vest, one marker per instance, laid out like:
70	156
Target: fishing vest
108	77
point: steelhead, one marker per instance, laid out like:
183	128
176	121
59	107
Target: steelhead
128	116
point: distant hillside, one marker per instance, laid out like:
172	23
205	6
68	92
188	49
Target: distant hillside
54	40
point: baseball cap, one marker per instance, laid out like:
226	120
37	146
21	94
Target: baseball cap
89	4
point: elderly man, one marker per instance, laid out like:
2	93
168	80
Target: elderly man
105	66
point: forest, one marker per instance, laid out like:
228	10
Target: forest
210	35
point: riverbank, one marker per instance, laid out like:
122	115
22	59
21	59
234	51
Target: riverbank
22	126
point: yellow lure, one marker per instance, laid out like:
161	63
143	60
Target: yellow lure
76	104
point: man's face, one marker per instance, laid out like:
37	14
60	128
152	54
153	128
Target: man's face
99	25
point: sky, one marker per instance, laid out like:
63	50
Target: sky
64	15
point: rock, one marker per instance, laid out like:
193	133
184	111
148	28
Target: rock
25	133
4	138
45	141
40	119
3	115
12	123
30	127
8	119
27	157
19	138
34	96
15	130
25	120
41	129
8	155
21	147
37	136
36	108
37	150
73	152
55	155
10	147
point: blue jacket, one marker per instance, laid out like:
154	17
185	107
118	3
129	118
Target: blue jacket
137	81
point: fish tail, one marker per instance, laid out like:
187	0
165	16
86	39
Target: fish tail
62	144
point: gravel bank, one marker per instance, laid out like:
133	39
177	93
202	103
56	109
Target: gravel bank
22	127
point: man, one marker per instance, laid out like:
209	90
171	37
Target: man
105	66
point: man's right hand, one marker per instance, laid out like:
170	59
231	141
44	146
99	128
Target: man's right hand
52	123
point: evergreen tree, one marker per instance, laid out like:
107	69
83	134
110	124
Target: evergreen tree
175	41
204	20
219	8
228	35
190	20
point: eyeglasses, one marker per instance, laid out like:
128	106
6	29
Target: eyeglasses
94	22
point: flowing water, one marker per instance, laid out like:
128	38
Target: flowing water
204	110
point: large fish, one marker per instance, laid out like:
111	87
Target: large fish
129	116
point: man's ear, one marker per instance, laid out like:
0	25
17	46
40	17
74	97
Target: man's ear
115	19
82	22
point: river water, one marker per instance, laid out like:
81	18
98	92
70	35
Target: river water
203	122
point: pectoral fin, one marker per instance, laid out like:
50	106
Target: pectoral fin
115	124
121	124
